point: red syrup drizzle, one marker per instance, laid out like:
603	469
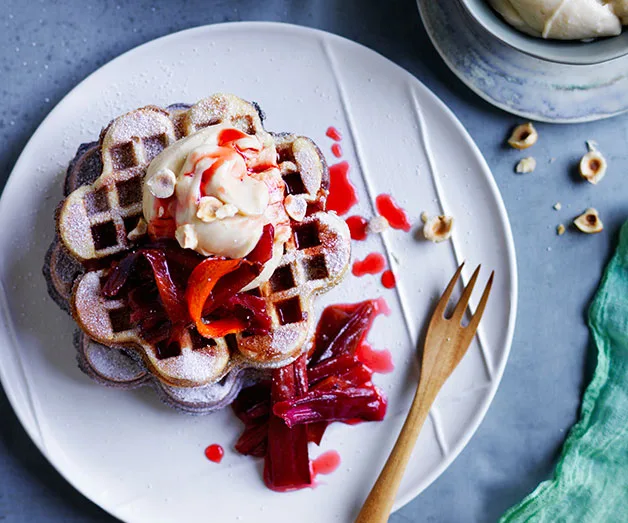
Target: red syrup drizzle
357	227
336	150
326	463
388	279
342	193
214	453
389	209
377	360
334	134
374	263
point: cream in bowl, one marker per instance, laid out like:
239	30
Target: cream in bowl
565	19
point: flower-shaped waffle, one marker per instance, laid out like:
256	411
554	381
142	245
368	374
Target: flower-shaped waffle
97	224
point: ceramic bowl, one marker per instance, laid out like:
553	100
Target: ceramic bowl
564	52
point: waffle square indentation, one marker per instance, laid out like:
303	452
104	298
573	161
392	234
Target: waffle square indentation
96	202
282	279
120	319
153	145
306	236
289	311
129	192
316	268
167	349
123	156
232	342
294	184
104	235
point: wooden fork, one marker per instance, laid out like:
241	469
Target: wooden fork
445	344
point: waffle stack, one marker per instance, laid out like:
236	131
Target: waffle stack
97	224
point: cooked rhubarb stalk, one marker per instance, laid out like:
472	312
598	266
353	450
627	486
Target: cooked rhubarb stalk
364	403
287	464
254	439
342	328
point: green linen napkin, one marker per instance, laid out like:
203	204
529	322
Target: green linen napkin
591	479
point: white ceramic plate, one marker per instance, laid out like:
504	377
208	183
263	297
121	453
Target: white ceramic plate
140	460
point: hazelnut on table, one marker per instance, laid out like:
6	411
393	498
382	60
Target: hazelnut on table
524	136
589	221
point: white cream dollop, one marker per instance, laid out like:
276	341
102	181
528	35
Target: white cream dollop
226	189
565	19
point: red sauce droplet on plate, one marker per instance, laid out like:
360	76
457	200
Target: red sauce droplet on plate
382	306
214	453
388	279
334	133
357	227
336	150
396	216
374	263
326	463
377	360
342	193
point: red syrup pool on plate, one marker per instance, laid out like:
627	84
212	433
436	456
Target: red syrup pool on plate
379	361
214	453
342	193
388	279
334	133
389	209
357	227
326	463
336	150
374	263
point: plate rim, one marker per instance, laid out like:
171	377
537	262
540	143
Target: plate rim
511	261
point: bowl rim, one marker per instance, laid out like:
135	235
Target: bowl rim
548	50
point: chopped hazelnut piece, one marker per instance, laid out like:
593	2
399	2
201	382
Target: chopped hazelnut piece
560	230
296	207
526	165
377	225
162	183
186	236
524	136
558	206
207	207
226	211
424	217
593	166
438	229
140	230
589	222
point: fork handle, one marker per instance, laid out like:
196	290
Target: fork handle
378	504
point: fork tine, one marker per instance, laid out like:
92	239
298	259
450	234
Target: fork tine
466	295
475	320
442	303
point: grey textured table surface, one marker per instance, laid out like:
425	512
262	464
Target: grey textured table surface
46	48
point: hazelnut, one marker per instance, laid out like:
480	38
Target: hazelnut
296	207
560	229
526	165
589	222
140	230
424	217
438	229
186	236
161	184
377	225
593	166
207	207
523	136
226	211
558	206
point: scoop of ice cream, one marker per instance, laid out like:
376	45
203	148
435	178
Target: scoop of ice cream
565	19
214	191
